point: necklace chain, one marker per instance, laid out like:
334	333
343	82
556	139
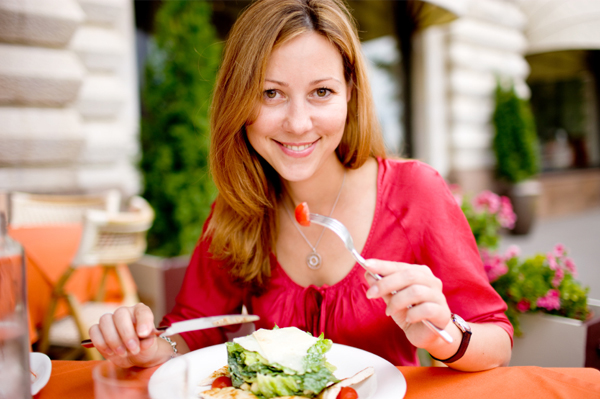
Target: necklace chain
313	260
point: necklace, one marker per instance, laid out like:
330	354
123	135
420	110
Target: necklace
313	260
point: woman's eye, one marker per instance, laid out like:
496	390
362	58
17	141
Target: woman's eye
322	92
270	93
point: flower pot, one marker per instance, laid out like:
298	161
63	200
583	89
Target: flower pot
553	341
524	197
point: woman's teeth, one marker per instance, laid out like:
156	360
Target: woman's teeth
296	147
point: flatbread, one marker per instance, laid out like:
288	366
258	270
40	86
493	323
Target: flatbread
222	372
332	391
235	393
227	393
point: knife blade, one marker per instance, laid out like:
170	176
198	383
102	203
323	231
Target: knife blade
193	325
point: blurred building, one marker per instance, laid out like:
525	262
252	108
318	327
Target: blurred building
69	112
69	107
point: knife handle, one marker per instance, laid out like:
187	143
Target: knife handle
87	343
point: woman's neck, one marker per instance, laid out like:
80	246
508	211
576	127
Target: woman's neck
319	191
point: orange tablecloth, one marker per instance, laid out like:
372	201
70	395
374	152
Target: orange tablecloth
73	379
48	252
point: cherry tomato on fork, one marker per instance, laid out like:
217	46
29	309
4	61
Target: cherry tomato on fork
221	382
347	393
301	214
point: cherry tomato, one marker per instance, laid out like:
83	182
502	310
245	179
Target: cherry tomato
221	382
347	393
302	214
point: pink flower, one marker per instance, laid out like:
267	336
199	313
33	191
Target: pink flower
559	250
506	216
559	274
494	265
552	261
487	200
570	265
512	252
523	305
551	301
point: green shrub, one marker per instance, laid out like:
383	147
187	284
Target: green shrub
179	78
515	141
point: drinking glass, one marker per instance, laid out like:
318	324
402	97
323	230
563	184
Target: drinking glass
111	381
15	376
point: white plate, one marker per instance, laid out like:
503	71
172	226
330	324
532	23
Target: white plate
169	380
41	366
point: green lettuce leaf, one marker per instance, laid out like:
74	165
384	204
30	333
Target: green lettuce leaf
268	380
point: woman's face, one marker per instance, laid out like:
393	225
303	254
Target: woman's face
303	107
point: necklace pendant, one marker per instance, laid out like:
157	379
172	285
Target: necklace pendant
313	261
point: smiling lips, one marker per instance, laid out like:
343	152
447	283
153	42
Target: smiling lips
296	147
297	150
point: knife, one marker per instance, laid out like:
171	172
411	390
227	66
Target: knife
194	324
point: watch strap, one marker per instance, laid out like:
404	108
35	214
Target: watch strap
464	342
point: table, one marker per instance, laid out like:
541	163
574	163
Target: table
49	250
73	380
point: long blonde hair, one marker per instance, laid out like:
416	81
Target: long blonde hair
243	226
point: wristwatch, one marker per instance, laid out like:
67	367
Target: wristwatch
464	327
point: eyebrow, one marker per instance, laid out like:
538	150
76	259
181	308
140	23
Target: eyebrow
314	82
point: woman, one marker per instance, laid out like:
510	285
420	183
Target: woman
292	121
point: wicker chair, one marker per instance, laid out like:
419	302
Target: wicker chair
111	240
27	209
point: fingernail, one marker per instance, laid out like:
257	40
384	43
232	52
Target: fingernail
131	345
143	331
121	351
370	263
109	352
372	292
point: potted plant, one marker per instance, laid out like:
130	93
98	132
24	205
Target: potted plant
550	311
183	58
541	283
487	213
515	146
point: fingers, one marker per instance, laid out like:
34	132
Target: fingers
412	293
144	320
122	332
124	325
398	276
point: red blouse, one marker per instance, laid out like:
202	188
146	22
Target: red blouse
417	220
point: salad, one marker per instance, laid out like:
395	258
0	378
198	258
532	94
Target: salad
280	362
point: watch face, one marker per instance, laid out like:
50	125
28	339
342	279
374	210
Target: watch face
460	323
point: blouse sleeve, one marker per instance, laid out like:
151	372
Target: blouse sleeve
207	290
440	237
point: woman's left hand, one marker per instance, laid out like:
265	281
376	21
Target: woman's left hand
418	296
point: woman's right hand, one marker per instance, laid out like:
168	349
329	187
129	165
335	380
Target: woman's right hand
126	337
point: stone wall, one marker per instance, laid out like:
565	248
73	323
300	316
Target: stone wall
456	66
485	44
69	113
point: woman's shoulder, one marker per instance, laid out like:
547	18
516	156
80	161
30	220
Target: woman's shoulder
407	173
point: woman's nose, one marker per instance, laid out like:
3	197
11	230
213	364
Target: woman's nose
298	118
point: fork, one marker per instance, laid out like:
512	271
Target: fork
338	228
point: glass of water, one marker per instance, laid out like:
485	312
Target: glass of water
15	376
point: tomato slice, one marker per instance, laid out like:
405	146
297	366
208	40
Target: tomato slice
221	382
302	214
347	393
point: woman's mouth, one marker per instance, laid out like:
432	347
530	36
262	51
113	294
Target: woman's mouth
296	147
297	150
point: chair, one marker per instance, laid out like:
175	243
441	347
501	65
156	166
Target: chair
109	239
28	209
